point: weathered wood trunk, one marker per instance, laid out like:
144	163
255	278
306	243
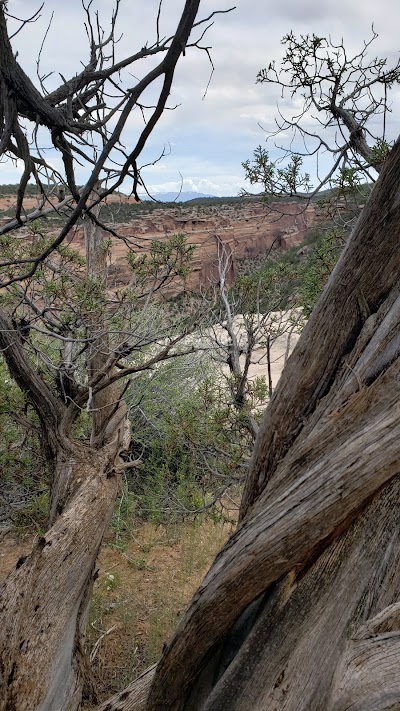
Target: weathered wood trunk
299	609
99	352
310	627
44	601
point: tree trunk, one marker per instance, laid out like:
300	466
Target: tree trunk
103	403
134	697
312	635
44	601
299	609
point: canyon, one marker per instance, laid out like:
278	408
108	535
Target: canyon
247	229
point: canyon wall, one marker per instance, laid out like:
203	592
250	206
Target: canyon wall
247	230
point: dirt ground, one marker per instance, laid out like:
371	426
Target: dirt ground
135	612
143	585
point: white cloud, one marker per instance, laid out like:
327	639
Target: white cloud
209	137
11	171
221	185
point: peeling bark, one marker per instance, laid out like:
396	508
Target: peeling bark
134	697
311	621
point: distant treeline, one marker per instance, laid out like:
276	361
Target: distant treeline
147	206
12	189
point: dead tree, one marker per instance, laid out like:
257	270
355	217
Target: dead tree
341	114
247	318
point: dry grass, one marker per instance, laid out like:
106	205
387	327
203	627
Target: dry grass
135	611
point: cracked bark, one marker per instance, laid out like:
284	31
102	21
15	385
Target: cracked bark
316	550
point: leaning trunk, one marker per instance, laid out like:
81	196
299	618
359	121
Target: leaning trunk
328	637
44	600
299	609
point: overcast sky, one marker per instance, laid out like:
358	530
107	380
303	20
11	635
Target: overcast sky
208	137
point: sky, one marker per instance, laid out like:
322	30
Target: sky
210	133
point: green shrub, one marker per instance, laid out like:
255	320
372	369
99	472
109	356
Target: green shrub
191	441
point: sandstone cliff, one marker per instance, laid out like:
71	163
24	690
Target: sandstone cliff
245	229
248	228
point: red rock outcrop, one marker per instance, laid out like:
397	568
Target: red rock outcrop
247	230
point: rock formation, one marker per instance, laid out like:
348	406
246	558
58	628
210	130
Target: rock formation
247	230
247	227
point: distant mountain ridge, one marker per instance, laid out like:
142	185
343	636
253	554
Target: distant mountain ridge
176	197
12	189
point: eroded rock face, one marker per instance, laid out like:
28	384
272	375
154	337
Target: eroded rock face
247	230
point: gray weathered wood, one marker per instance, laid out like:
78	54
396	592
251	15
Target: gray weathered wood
328	443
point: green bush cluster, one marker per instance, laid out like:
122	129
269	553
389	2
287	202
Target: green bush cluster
189	437
19	449
192	441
